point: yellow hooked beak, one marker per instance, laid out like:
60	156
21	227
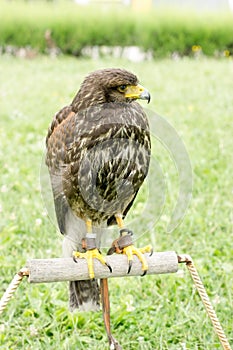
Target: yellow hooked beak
137	92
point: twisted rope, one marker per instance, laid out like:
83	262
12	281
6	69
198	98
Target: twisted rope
12	288
206	301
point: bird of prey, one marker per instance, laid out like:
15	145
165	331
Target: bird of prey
98	154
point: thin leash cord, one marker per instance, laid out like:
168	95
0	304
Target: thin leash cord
206	301
113	343
12	288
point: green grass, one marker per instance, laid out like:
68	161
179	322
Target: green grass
155	312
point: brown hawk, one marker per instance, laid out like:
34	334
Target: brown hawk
98	153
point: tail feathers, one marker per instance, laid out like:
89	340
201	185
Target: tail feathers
84	295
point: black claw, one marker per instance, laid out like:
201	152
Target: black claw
75	260
130	266
144	273
111	251
151	252
110	269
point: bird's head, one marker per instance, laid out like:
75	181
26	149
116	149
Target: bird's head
110	85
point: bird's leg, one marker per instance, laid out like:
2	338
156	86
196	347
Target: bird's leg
124	245
91	250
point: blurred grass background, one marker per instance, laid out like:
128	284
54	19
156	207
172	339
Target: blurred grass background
73	27
156	312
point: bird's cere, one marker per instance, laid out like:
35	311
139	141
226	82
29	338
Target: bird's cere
137	92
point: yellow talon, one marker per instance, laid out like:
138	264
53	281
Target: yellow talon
130	250
146	249
89	244
124	245
89	255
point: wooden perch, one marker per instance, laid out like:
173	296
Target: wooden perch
65	269
57	270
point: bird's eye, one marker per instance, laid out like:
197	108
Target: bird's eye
122	88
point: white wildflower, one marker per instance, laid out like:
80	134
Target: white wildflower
38	222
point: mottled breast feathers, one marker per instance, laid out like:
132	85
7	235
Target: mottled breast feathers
98	149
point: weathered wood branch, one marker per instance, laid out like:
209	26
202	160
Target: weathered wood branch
65	269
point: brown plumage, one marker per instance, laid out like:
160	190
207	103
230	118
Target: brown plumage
98	152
